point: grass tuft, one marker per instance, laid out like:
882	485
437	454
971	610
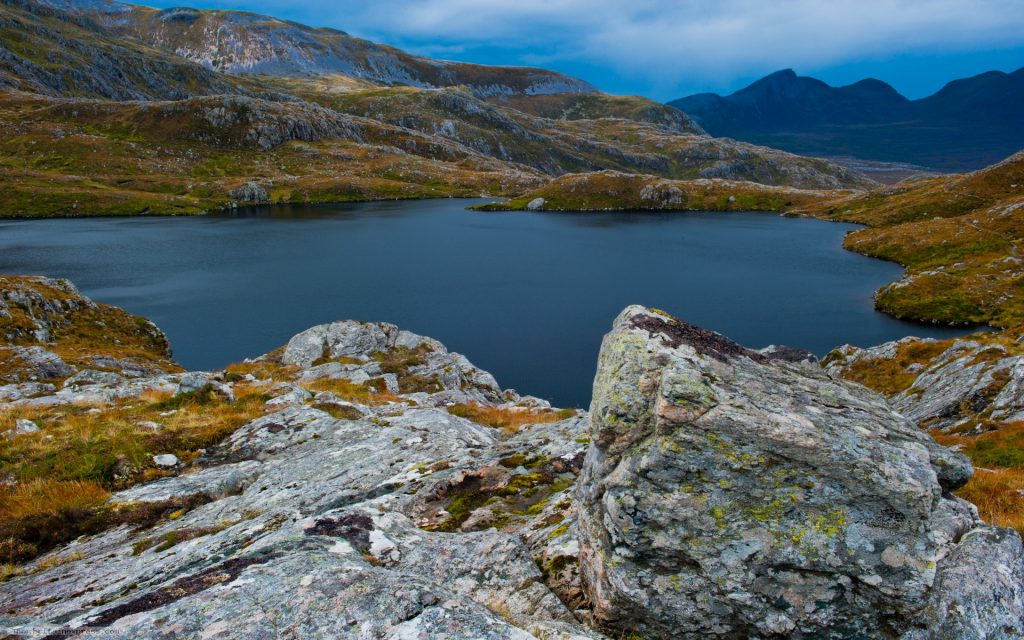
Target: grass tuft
509	419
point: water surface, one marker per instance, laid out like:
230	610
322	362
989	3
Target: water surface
526	296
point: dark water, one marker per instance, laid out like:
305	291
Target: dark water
525	296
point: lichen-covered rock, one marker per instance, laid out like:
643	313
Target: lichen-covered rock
729	494
252	192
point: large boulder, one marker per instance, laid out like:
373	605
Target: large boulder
728	494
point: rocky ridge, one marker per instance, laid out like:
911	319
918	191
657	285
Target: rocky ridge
379	475
950	385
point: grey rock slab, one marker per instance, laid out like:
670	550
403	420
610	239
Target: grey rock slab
92	376
12	392
22	426
967	381
339	339
310	527
292	394
213	482
35	363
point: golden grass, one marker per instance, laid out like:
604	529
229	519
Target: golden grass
998	458
997	494
110	446
508	419
368	393
64	472
1003	447
891	376
44	496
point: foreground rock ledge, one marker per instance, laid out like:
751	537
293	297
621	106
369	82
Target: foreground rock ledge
726	493
730	494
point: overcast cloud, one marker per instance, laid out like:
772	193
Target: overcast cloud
669	45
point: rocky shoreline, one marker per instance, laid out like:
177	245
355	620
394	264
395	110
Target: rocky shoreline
379	486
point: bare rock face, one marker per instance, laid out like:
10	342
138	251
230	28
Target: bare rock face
727	494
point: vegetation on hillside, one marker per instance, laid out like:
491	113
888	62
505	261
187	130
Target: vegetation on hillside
61	158
959	237
35	313
616	191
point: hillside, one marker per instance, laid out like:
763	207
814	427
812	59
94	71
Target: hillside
958	236
238	42
69	158
171	97
52	52
970	123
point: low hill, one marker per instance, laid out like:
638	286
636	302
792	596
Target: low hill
615	191
959	237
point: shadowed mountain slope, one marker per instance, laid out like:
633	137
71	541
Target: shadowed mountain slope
969	124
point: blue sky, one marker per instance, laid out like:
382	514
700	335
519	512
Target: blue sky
666	49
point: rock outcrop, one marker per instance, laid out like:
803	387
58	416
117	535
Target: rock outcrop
729	494
954	385
49	331
394	517
377	485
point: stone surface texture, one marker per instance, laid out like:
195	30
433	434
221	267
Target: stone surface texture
713	492
730	494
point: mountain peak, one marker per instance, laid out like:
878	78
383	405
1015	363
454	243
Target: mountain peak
969	123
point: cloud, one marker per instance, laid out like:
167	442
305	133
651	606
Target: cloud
666	43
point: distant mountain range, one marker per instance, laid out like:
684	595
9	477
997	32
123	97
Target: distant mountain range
968	124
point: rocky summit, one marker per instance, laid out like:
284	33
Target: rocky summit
377	485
